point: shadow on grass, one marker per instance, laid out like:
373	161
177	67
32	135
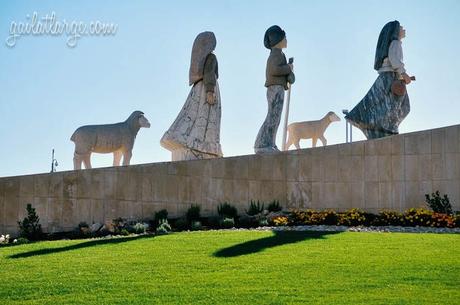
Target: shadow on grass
278	239
86	244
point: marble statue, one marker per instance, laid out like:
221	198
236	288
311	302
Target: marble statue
195	134
110	138
380	112
278	75
313	130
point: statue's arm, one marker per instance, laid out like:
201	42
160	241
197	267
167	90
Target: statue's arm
278	65
209	73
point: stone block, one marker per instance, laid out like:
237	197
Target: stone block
385	195
357	149
384	167
417	143
411	168
70	213
397	167
438	141
425	167
306	167
298	195
345	169
452	139
97	211
292	167
397	145
70	185
452	166
26	186
371	165
371	195
279	167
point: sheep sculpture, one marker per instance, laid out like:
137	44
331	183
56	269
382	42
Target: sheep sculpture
310	130
110	138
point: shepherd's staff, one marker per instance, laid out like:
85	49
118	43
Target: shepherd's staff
286	114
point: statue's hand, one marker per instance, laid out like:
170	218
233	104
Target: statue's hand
292	66
210	98
406	78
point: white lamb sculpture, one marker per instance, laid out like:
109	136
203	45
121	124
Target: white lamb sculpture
110	138
310	130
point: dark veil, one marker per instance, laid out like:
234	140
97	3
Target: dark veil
389	33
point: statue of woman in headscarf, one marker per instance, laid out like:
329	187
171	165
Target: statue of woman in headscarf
195	134
381	111
278	75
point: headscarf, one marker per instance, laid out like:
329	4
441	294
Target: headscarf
389	33
203	45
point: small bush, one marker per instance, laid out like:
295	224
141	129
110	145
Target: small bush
163	227
196	225
193	213
139	228
214	222
255	208
228	223
119	224
159	216
280	221
30	227
274	206
4	239
439	204
124	232
417	217
263	222
226	210
21	240
246	221
387	218
181	224
353	217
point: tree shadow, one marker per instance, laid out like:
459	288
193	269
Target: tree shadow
87	244
278	239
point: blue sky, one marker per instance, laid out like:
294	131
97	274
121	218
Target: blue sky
49	89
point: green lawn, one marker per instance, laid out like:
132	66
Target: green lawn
236	268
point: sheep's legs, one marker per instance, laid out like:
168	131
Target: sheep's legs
87	161
117	158
76	161
323	140
313	141
127	157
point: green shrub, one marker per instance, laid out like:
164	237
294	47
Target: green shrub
30	227
124	232
417	217
181	224
246	221
226	210
193	213
160	215
274	206
353	217
228	223
196	225
139	228
439	204
21	240
119	224
214	222
255	208
387	218
83	229
263	222
163	227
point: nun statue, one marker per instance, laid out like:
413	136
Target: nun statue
278	74
195	134
381	111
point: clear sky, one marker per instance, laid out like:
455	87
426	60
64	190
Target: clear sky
49	89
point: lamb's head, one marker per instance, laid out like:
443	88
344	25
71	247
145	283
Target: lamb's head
137	120
332	116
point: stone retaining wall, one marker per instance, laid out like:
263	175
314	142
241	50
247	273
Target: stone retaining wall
393	172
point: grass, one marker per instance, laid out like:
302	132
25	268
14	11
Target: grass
236	267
